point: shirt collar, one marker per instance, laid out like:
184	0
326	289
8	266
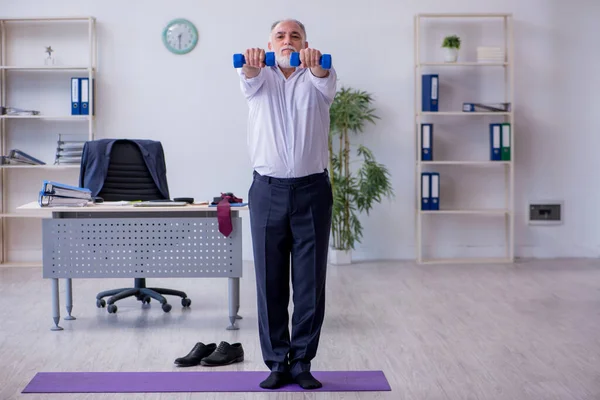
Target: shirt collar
298	71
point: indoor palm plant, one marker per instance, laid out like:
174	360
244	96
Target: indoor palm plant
357	183
451	44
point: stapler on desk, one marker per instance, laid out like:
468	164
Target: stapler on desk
189	200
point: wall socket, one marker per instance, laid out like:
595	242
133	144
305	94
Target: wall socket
545	213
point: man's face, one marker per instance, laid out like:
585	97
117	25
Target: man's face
286	38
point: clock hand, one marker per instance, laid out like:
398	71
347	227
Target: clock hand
179	38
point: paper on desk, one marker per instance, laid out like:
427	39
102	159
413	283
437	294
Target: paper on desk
113	203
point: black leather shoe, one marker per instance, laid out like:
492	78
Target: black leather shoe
224	354
194	357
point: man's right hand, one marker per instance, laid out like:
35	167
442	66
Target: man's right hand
255	60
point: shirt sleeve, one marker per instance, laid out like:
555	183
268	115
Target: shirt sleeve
250	86
327	86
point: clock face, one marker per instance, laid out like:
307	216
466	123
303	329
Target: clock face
180	36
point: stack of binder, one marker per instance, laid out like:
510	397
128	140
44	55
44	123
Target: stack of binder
500	139
18	157
430	191
54	194
486	107
17	111
68	151
80	96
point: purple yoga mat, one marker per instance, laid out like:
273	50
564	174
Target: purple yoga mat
222	381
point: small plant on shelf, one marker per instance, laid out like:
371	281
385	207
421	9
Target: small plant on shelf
451	44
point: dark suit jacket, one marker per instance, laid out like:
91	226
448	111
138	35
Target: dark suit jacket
96	157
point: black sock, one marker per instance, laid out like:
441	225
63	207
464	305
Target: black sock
274	380
307	381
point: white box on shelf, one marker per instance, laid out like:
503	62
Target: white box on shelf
490	54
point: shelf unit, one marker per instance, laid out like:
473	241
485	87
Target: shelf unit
507	211
31	35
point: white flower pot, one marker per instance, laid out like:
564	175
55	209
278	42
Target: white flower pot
451	55
340	257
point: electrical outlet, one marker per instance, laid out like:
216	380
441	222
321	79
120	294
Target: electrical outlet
545	213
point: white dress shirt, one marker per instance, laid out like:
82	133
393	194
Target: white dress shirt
288	121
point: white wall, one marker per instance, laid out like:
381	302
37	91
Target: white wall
193	105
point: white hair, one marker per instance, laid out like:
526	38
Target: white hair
300	24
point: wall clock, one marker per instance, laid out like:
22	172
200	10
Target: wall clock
180	36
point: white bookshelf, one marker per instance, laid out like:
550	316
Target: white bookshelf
22	43
482	166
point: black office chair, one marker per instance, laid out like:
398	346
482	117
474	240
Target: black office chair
128	178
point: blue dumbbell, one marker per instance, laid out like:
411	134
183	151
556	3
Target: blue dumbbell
325	60
239	60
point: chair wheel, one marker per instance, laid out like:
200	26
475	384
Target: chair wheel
146	300
186	302
166	307
112	308
100	303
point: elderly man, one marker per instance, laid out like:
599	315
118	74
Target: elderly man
290	198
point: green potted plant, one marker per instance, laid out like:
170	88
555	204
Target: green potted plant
451	44
356	183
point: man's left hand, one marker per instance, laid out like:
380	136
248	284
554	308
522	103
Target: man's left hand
311	58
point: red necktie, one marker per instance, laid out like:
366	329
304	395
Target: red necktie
224	216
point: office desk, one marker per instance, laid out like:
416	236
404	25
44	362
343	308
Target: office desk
123	241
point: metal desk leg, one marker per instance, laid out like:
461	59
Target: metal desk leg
69	300
55	305
237	305
234	302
